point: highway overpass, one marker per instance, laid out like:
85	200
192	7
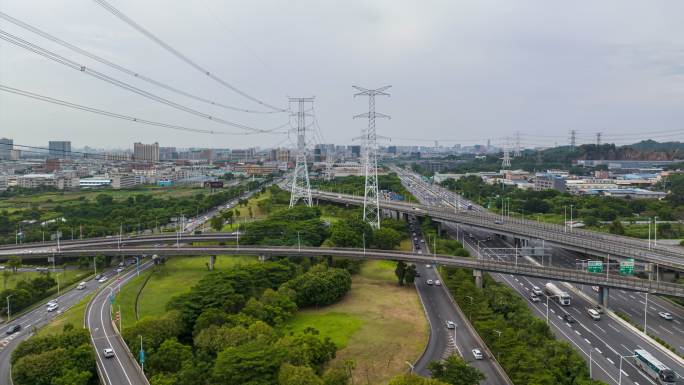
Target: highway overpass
584	241
515	268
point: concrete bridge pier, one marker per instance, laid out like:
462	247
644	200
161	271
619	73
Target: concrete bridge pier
478	278
439	229
603	296
212	262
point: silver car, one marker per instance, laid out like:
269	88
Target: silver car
477	354
665	315
108	352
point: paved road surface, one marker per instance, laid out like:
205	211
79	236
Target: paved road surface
120	369
35	319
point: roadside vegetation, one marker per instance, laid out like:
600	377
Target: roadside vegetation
596	212
354	185
104	214
526	347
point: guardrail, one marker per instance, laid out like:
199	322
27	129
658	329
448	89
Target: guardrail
556	273
587	241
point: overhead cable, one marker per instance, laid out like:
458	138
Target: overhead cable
124	69
99	75
180	56
121	116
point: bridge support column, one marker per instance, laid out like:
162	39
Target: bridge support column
262	258
212	262
603	296
478	278
439	229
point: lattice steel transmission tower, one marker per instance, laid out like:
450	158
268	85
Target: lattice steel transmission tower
506	160
598	139
301	188
573	139
371	204
517	145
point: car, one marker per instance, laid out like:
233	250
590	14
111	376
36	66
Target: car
536	290
52	307
598	308
119	269
665	315
498	221
534	298
81	286
422	241
594	314
477	353
568	318
97	277
101	280
438	283
429	282
450	325
428	266
13	329
108	352
52	302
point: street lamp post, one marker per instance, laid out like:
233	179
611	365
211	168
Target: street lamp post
8	308
655	232
620	377
590	363
645	310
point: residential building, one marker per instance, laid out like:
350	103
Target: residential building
123	181
59	149
146	152
6	146
546	181
3	183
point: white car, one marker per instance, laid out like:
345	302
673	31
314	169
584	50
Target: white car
51	303
438	283
477	354
119	269
101	280
428	266
450	325
536	290
52	307
665	315
108	352
429	282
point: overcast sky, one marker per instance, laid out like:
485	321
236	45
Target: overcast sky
461	71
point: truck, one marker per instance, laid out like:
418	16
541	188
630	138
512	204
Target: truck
559	295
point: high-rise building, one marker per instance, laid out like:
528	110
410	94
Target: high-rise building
148	152
6	146
59	149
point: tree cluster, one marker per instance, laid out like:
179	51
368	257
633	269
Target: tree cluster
27	292
527	349
62	359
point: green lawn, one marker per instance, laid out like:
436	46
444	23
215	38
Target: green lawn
367	322
177	276
338	326
10	280
74	316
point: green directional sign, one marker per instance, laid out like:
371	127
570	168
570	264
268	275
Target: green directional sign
627	267
595	266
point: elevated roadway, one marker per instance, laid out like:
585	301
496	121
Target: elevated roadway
516	268
584	241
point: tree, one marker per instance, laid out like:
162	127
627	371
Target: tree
217	222
410	275
400	272
251	363
455	371
412	379
72	376
386	238
168	357
337	376
14	263
616	227
297	375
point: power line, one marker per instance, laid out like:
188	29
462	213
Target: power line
70	63
110	114
122	68
179	55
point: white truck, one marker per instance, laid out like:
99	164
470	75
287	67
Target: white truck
559	295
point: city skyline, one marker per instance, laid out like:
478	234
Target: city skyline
456	77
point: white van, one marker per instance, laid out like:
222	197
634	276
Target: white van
594	314
81	286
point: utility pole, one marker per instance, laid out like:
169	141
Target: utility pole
506	160
301	188
371	204
598	139
573	139
517	152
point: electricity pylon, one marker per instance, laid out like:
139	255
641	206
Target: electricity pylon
371	203
301	188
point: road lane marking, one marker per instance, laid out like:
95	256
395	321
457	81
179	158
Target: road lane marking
614	328
599	350
578	333
587	341
669	331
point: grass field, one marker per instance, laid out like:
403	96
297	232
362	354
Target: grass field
51	199
73	316
379	325
176	277
10	280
